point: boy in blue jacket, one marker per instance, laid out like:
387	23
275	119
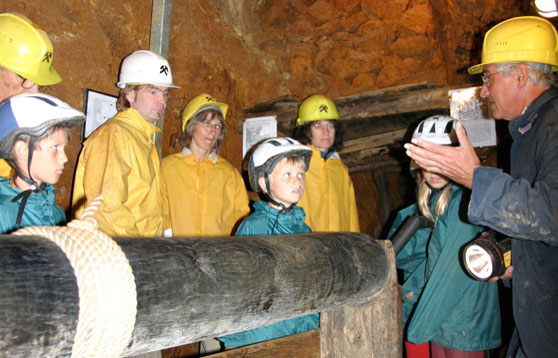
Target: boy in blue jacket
277	169
34	129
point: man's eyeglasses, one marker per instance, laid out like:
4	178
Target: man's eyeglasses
488	77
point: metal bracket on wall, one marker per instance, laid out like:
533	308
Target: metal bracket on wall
159	42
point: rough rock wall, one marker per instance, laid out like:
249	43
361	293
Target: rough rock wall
248	52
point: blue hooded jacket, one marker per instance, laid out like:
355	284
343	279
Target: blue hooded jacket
268	221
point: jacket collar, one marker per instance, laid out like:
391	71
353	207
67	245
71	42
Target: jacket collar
134	118
324	156
524	122
186	152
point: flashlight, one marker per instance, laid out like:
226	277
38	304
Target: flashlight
486	257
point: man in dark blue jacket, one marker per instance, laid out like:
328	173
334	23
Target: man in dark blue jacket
518	60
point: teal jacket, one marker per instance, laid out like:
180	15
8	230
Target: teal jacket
449	308
40	209
411	260
267	221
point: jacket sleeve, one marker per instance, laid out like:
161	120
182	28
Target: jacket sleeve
165	199
353	213
514	207
109	177
242	205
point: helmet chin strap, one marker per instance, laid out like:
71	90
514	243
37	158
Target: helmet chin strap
282	208
434	190
33	186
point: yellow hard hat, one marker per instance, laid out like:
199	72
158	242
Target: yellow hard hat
200	103
316	108
520	39
25	49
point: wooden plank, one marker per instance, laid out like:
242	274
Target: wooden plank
305	344
185	351
375	141
369	105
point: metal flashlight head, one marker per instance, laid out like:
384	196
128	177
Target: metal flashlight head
486	257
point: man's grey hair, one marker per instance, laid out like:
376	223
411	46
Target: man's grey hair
540	73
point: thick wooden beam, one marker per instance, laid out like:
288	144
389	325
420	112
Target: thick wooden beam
193	289
39	299
188	289
385	102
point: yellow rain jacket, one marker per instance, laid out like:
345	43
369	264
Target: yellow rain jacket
119	161
329	197
202	198
5	169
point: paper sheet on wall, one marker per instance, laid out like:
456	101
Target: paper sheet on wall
99	107
467	106
257	129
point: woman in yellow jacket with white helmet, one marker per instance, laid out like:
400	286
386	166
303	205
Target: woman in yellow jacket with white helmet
329	198
203	193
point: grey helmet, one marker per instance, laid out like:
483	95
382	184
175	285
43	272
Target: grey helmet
439	129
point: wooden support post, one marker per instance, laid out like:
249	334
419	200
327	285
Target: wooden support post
372	329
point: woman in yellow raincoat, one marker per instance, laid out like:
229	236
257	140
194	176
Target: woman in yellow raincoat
203	193
329	198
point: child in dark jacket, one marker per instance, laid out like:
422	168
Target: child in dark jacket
446	313
277	169
34	130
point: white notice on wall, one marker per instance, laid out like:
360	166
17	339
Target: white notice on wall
99	107
481	133
257	129
467	106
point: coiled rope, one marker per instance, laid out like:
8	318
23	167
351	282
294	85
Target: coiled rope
106	286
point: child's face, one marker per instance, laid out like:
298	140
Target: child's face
49	158
287	182
436	181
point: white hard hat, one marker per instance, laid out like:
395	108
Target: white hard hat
439	129
145	67
32	114
266	156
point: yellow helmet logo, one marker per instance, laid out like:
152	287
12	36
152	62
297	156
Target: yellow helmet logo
47	57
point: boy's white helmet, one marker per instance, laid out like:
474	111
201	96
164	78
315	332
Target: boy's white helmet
439	129
32	114
268	153
145	67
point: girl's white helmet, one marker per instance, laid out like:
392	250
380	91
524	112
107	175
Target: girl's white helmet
439	129
32	114
268	153
144	67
